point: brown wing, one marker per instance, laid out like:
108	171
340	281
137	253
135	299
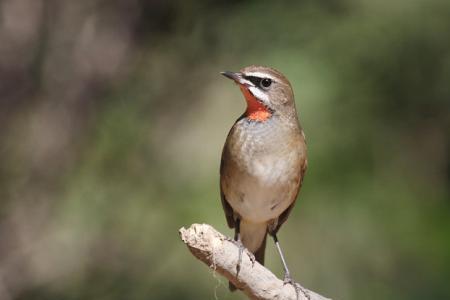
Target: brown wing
229	214
285	214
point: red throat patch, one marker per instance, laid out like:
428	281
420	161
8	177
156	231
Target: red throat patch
256	111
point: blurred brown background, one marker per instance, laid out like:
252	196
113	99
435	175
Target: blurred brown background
113	115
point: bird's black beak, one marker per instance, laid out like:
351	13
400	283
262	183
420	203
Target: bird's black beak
236	76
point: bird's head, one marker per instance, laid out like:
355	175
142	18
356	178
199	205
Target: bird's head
266	91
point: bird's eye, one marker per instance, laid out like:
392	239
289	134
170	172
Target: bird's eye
265	83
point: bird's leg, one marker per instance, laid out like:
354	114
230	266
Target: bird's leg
287	275
237	238
238	242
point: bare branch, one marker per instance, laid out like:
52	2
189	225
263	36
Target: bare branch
221	254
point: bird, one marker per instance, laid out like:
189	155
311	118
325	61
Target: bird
263	163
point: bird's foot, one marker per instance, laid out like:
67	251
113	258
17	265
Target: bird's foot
242	249
298	288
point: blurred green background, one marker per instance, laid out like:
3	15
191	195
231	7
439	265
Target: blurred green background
113	115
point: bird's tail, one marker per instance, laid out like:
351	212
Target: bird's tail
260	253
253	236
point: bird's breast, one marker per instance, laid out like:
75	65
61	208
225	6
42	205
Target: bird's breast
261	168
264	151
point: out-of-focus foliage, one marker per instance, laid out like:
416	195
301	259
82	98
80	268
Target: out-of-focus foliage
113	115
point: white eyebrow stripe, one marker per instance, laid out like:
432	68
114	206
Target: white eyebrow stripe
259	74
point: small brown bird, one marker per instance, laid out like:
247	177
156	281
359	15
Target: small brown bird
263	161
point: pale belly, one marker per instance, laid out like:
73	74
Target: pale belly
263	191
258	205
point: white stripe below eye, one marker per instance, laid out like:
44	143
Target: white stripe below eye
259	94
259	74
246	82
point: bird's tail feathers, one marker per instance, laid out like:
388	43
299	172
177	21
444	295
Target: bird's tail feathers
260	253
